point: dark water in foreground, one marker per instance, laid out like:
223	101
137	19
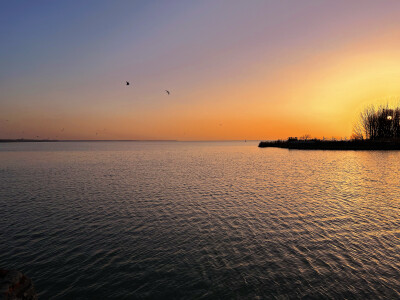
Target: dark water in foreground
130	220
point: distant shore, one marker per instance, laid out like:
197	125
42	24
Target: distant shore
316	144
47	140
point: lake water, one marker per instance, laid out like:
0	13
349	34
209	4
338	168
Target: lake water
139	220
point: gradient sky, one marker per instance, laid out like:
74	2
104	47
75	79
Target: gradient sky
235	69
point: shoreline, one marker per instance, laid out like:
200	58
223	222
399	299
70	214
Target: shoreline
331	145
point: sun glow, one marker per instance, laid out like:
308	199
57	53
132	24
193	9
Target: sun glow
256	84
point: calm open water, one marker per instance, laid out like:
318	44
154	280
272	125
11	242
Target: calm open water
138	220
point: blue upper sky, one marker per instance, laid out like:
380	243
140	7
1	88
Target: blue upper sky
62	64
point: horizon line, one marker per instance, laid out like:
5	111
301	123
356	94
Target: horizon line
118	140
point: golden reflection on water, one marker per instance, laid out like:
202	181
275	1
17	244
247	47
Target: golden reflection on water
203	219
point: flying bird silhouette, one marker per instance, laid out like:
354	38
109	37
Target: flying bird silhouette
167	92
127	83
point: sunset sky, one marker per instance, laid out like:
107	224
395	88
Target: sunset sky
235	69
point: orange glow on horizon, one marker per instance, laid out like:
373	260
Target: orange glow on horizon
305	92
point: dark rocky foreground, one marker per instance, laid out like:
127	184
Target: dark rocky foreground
332	145
16	286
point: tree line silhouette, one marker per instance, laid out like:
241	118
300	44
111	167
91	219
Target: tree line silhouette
378	128
378	123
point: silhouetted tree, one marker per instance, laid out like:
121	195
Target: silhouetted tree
378	123
305	137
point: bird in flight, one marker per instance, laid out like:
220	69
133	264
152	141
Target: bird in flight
127	83
167	92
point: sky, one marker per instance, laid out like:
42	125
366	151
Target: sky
236	70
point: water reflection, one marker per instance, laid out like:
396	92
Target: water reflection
212	220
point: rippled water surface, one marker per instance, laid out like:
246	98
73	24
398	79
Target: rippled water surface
128	220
